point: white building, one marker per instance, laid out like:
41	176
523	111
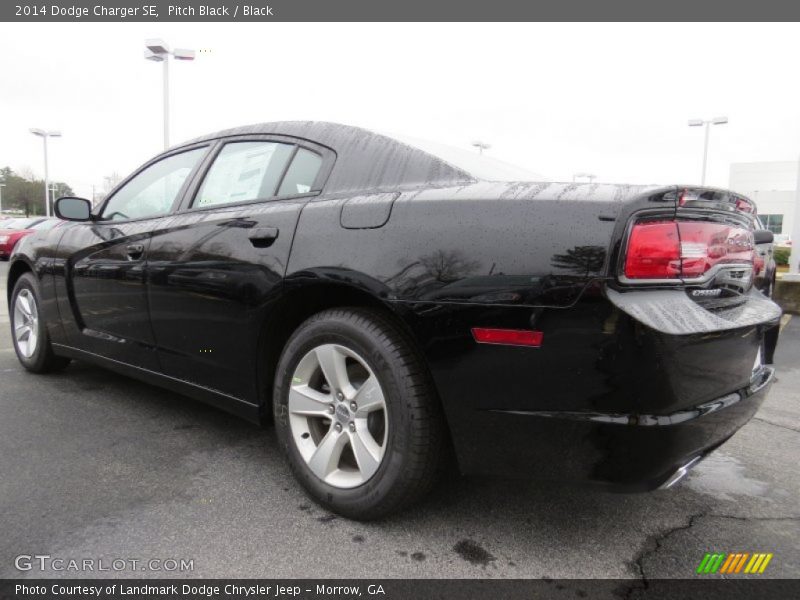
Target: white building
772	185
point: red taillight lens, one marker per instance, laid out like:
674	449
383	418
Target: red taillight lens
654	251
704	245
675	249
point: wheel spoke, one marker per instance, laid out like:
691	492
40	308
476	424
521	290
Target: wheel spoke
20	331
332	362
369	397
24	304
32	341
304	400
325	459
366	451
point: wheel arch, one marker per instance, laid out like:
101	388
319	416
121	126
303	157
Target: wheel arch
300	302
17	269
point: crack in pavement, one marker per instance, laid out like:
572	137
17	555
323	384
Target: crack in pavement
741	518
776	424
648	550
655	542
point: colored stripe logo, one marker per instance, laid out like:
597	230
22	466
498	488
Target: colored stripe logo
734	563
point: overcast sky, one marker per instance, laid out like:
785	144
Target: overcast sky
610	99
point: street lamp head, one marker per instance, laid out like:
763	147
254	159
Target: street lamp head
157	46
696	122
150	55
183	54
719	120
45	133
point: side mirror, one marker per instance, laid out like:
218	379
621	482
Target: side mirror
763	236
73	209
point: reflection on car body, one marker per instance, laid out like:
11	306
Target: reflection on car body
374	297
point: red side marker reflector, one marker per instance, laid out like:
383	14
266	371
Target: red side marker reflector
507	337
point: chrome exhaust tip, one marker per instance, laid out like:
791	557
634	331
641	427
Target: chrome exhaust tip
679	474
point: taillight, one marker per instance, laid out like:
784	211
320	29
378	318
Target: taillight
684	249
654	251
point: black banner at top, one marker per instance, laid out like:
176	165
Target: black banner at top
395	10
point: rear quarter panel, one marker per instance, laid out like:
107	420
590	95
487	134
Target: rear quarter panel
524	256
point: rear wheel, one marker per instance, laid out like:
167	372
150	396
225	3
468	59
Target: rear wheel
28	329
356	415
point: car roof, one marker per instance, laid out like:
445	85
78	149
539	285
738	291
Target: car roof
390	163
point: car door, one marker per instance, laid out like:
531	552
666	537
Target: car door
213	274
103	302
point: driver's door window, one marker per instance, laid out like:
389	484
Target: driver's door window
153	191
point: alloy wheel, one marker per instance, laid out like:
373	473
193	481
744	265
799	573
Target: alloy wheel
26	323
337	416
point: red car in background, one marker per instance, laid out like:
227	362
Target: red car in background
13	230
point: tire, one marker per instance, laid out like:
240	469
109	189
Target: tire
404	437
35	351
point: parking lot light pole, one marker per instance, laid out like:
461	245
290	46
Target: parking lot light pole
158	51
2	185
481	146
707	124
44	134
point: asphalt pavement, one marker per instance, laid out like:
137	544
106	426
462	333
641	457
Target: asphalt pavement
94	466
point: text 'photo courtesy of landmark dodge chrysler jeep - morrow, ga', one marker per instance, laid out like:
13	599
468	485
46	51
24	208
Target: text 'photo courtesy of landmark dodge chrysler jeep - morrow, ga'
401	308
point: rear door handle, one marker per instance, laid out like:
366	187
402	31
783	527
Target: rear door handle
263	237
134	251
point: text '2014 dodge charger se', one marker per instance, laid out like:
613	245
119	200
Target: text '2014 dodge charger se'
387	302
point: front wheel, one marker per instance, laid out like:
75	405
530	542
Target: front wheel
356	415
28	329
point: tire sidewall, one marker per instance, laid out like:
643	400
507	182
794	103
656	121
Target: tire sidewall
37	360
375	351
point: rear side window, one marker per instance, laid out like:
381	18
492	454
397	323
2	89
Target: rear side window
300	176
244	171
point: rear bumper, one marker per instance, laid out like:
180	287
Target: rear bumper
628	452
610	397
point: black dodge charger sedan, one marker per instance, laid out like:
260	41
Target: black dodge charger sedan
393	304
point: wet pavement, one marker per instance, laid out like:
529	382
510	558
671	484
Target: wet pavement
95	465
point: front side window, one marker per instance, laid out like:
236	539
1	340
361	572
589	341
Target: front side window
300	176
244	171
153	191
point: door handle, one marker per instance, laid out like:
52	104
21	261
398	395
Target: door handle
134	251
263	237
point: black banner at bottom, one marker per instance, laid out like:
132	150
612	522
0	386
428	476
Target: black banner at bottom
397	589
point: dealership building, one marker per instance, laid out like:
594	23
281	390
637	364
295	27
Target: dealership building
773	186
